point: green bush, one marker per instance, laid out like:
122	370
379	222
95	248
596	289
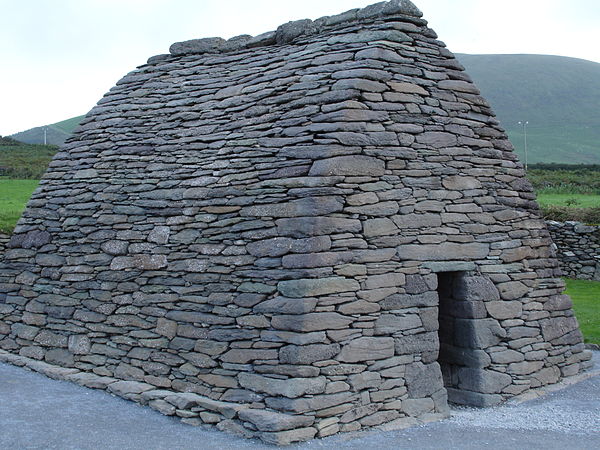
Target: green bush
565	179
24	161
567	213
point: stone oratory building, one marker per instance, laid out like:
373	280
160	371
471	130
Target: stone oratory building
315	230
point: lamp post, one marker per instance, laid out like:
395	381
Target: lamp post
524	125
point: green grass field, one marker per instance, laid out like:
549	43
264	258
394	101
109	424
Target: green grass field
576	200
586	303
14	195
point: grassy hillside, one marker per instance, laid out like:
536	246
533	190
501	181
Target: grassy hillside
18	160
558	96
56	134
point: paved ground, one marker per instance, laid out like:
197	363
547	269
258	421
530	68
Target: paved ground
39	413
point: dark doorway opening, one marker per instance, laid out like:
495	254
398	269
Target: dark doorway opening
455	329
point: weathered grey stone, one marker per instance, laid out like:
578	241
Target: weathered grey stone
401	301
507	356
462	397
417	406
308	354
60	357
316	206
311	322
476	288
31	239
558	326
359	412
504	310
288	437
461	183
197	46
270	247
315	403
525	367
125	388
367	349
364	380
379	227
370	36
144	262
385	280
467	357
458	85
291	388
354	165
160	235
326	259
359	307
443	252
478	333
313	287
388	324
115	247
274	421
284	305
423	380
315	226
512	290
293	338
558	303
437	139
90	380
417	221
484	381
416	343
242	356
79	344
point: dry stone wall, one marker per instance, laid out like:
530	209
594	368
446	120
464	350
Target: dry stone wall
578	248
319	229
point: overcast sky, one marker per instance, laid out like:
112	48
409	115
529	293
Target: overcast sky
58	57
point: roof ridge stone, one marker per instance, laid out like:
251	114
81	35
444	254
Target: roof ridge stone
291	31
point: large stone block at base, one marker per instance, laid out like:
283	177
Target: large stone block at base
469	398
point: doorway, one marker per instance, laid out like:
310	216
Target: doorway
456	328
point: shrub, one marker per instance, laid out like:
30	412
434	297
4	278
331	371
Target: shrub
567	213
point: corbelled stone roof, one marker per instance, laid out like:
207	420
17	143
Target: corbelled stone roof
291	31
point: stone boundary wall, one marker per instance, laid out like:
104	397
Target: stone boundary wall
578	248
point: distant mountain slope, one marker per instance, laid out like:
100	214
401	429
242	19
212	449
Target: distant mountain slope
56	134
558	96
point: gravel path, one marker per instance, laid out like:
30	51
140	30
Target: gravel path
39	413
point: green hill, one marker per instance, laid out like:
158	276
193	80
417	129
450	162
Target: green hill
56	134
558	96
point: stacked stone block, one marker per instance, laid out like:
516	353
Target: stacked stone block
578	248
252	233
